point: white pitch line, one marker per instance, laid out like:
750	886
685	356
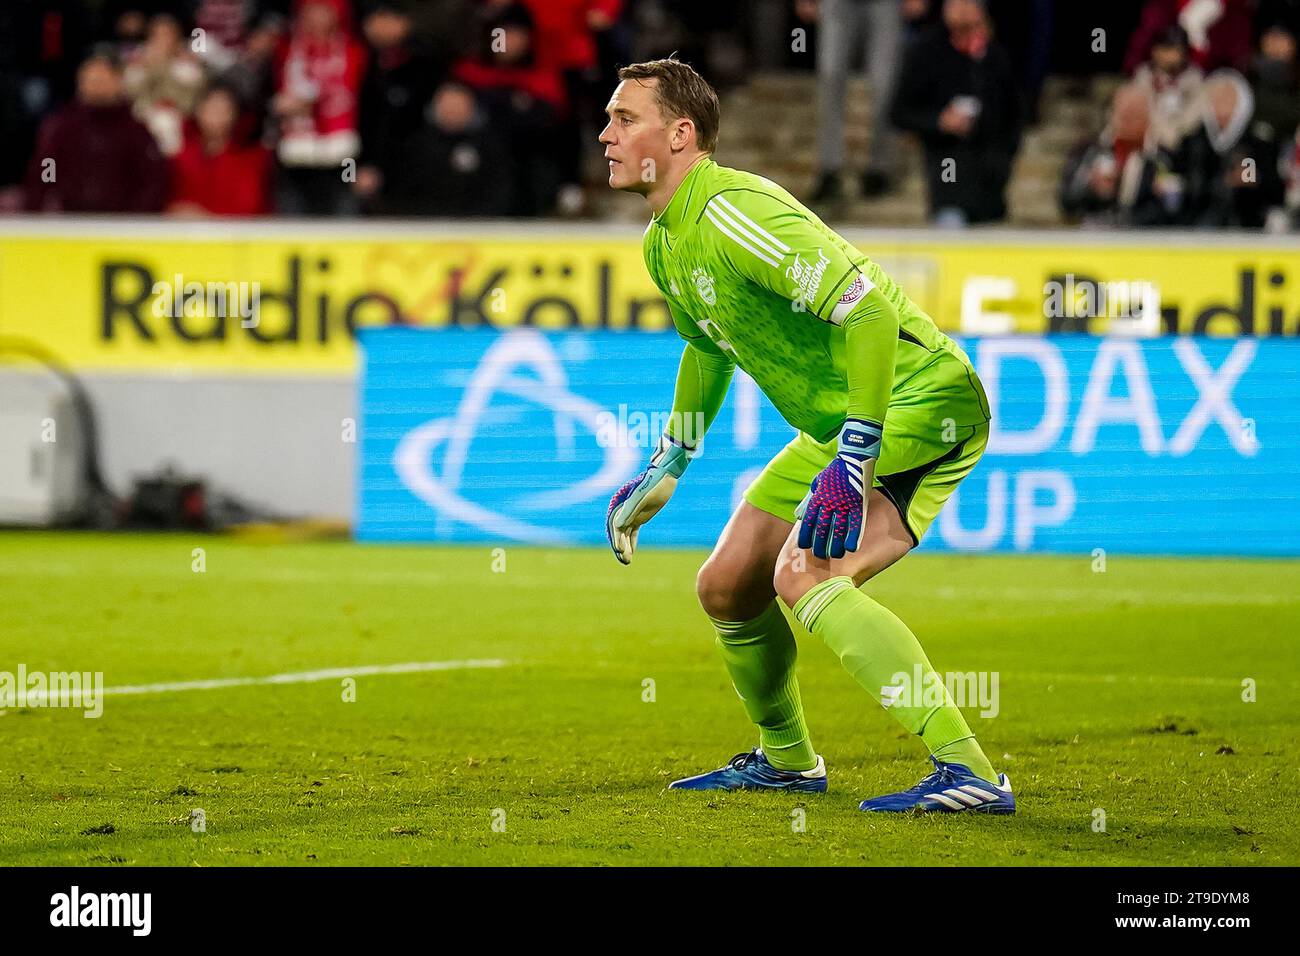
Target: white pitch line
305	677
1124	679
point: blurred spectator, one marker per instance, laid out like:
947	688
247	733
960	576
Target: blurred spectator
877	26
1219	31
93	155
525	98
918	15
507	60
1230	171
227	26
1283	13
128	25
317	105
1172	83
705	34
1026	28
1277	82
447	27
40	47
1123	177
252	73
958	93
400	79
1288	217
457	164
164	79
567	33
218	172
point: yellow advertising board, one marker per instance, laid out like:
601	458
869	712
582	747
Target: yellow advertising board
260	300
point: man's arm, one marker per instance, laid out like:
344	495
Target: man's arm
870	350
702	381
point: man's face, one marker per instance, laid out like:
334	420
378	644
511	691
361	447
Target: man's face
962	16
386	29
318	20
453	108
216	115
1170	60
637	141
98	84
1278	44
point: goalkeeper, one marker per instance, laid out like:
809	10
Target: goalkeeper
890	417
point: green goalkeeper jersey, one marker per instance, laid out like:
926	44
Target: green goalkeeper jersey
755	280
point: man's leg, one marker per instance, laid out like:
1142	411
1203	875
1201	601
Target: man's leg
871	642
735	587
837	32
883	51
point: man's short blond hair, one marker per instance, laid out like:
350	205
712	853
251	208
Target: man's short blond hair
681	92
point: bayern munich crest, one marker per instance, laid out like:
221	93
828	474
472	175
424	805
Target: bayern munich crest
854	291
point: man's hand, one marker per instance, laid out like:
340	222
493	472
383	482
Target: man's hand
955	121
641	498
835	509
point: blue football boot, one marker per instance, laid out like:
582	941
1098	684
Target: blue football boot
952	788
752	771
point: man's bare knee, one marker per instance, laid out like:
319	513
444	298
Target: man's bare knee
795	576
727	596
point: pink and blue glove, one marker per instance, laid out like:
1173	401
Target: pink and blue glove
833	512
642	498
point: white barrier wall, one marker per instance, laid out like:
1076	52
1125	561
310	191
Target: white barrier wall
274	443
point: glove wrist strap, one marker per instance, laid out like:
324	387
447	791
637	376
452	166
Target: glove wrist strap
673	455
860	439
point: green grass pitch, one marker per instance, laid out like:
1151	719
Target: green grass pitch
1120	692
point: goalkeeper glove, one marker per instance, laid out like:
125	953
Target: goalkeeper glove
641	498
835	508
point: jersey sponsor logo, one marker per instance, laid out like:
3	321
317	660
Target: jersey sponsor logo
807	278
704	287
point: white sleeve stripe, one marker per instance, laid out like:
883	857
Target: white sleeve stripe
717	212
725	204
730	235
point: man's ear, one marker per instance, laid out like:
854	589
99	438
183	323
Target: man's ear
683	134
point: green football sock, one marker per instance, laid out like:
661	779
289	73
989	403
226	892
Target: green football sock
759	655
874	646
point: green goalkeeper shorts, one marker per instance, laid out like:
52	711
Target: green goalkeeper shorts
923	455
